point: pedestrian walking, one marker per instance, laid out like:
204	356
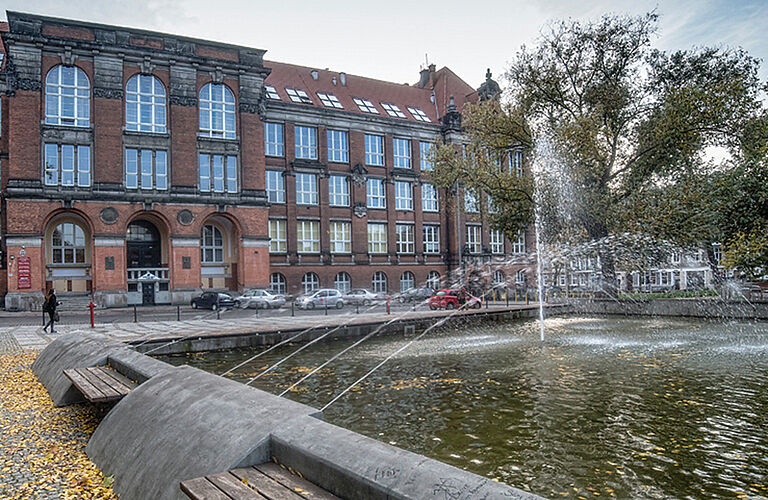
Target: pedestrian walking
50	305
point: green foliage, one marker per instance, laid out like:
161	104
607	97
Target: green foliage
748	253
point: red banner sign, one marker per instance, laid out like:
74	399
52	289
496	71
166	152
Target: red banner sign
25	272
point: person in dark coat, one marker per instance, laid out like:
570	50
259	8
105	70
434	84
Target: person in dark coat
50	306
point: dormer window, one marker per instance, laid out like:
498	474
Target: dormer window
298	95
366	106
392	110
418	114
271	92
329	100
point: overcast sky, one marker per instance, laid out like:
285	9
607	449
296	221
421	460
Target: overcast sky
391	39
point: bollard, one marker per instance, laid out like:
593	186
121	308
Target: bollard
326	307
43	317
486	301
178	313
218	313
357	308
388	312
506	296
293	310
91	305
526	297
134	313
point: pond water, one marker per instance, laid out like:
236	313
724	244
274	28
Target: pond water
636	407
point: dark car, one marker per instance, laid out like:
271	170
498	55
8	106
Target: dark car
213	301
415	295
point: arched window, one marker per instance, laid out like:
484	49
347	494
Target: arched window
67	97
212	249
407	281
145	104
310	282
498	277
277	283
521	277
217	111
68	244
342	282
433	280
379	282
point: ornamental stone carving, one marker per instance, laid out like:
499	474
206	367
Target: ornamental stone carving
180	100
106	93
28	84
358	174
360	210
108	215
252	108
185	217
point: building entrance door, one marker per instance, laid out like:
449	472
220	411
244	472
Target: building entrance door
143	245
148	293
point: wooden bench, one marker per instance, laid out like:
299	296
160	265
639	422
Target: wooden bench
100	384
263	481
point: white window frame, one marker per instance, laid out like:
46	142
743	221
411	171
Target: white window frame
403	195
211	245
338	146
431	238
71	245
471	202
406	238
433	280
375	193
401	151
271	93
342	282
518	246
66	165
298	95
392	110
418	114
407	281
310	282
306	189
278	236
496	241
274	139
515	162
379	282
474	238
338	191
340	237
425	156
275	186
305	142
329	100
498	277
217	173
146	176
58	94
217	117
429	198
377	238
277	283
139	98
365	106
308	236
374	150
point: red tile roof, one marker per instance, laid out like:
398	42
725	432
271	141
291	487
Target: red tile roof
376	91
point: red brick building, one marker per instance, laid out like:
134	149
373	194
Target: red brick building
142	167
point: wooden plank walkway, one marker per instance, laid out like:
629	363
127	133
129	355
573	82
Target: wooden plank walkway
263	481
100	384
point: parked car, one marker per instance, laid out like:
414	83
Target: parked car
415	295
260	299
452	298
213	301
326	297
363	297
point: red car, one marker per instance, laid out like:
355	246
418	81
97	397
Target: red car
453	298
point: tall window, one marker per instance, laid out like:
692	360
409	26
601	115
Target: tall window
471	203
146	169
431	234
341	237
67	97
429	198
338	148
407	281
375	195
425	155
67	165
68	244
401	149
308	236
405	238
377	237
274	142
374	150
145	104
342	282
277	283
497	241
278	241
338	191
515	159
433	280
473	238
498	277
522	277
403	196
518	246
212	249
305	139
310	282
306	189
218	173
275	184
379	282
217	111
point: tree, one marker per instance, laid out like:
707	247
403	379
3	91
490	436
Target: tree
619	122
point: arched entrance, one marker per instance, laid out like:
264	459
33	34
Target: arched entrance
148	281
68	254
219	254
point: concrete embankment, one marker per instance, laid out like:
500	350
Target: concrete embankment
697	308
181	423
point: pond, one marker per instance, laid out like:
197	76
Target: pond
617	407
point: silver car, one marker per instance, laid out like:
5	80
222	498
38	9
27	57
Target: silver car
326	297
362	297
260	299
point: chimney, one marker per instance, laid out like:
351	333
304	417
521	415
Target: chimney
423	78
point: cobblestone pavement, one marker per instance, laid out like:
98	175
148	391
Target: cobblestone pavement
42	448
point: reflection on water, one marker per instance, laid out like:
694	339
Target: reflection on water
605	407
